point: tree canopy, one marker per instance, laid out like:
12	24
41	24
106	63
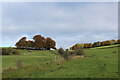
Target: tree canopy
39	43
95	44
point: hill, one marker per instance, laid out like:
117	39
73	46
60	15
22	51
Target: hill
97	63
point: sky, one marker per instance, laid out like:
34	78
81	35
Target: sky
67	23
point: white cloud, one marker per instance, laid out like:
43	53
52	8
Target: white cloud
67	23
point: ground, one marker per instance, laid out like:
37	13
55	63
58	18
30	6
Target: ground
97	63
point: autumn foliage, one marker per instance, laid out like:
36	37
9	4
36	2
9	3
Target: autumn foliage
50	43
118	41
105	43
95	44
77	46
39	43
88	45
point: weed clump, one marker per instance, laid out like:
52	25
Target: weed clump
19	64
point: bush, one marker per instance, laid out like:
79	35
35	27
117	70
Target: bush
79	52
96	44
9	51
15	52
68	54
61	51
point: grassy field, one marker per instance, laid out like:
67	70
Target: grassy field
97	63
106	46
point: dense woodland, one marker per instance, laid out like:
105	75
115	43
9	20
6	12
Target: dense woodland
95	44
38	43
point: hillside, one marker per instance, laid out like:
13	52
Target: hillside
97	63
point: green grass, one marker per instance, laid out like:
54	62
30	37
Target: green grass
106	46
27	58
98	63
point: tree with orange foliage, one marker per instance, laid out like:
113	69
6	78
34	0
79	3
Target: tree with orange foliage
88	45
29	44
74	47
21	43
118	41
39	42
18	45
50	43
105	43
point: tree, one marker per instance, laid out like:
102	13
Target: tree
74	47
96	44
39	42
50	43
88	45
22	39
17	44
77	46
29	44
118	41
113	41
105	43
21	43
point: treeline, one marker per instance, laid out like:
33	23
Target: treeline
38	43
95	44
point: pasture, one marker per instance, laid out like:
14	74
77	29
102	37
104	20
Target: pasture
97	63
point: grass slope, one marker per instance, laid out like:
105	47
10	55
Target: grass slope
98	63
106	46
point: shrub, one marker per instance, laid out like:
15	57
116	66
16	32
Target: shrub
68	54
113	41
79	51
96	44
5	51
61	51
9	51
15	52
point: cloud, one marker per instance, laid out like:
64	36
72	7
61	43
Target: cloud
66	22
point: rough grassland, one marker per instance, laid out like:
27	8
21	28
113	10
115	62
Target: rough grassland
97	63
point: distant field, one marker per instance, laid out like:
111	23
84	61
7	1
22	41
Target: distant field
97	63
106	46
